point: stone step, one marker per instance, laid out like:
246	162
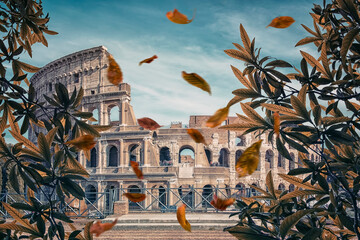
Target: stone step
167	226
132	221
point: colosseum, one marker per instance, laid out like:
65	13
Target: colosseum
174	166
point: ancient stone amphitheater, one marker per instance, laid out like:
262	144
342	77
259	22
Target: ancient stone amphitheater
168	157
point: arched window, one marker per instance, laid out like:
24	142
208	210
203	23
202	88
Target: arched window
253	191
312	157
134	189
269	158
292	161
238	154
208	156
187	155
90	194
207	195
113	157
224	157
281	161
95	114
114	114
240	141
162	196
281	187
186	194
165	158
93	156
240	187
135	154
291	188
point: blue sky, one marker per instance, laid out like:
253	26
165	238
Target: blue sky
135	30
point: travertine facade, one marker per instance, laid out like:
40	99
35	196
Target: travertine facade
160	153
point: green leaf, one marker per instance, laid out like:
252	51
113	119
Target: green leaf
299	171
13	179
347	42
87	234
299	108
62	94
282	149
78	98
291	220
88	128
246	93
278	63
246	233
252	114
44	147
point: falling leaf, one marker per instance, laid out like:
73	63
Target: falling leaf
148	123
98	227
148	60
137	171
179	18
84	142
196	81
248	161
281	22
180	214
196	135
277	123
222	204
114	73
218	117
135	197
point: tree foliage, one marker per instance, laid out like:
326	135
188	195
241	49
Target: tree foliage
319	113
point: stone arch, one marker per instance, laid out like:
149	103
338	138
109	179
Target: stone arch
291	188
114	113
95	113
90	193
224	157
269	159
135	153
133	189
312	157
238	154
281	161
162	196
165	157
93	158
113	156
208	155
241	190
292	161
187	154
253	191
186	194
207	195
111	193
281	187
240	141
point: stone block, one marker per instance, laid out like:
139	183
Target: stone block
121	208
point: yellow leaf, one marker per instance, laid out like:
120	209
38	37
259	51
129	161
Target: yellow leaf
249	160
180	214
197	81
98	227
84	142
277	123
114	73
135	197
148	60
218	117
196	135
137	171
222	204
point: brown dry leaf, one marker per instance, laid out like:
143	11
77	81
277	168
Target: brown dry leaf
114	73
218	117
135	197
277	123
222	204
179	18
281	22
197	81
137	171
98	227
148	60
196	136
148	123
180	214
249	160
84	142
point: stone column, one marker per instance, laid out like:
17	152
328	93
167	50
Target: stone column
147	199
198	187
172	183
121	155
122	113
174	151
198	155
103	115
146	151
103	163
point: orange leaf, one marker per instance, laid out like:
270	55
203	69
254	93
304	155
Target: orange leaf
197	81
148	60
222	204
180	214
281	22
137	171
179	18
277	123
249	160
114	73
196	135
98	227
148	123
218	117
135	197
84	142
